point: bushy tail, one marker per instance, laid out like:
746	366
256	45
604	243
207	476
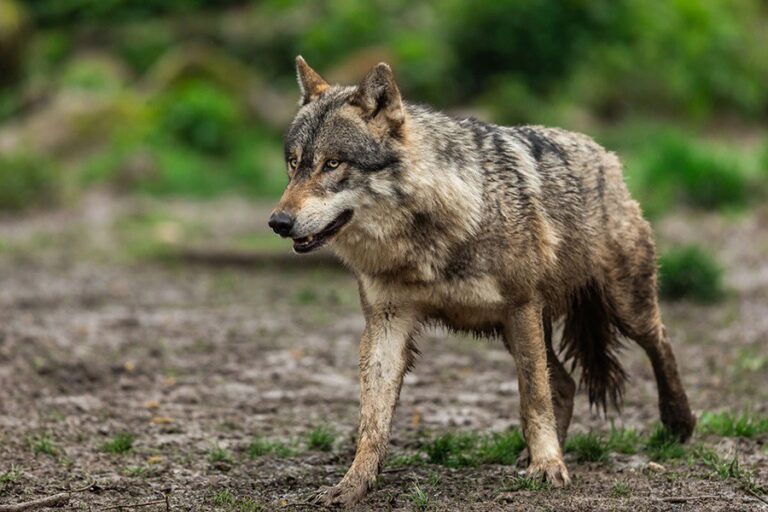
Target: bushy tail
591	340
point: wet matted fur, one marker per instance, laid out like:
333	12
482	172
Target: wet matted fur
498	231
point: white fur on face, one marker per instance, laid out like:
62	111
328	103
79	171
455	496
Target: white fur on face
317	212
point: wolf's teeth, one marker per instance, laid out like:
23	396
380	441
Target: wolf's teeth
309	238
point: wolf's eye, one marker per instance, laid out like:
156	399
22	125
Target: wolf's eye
292	163
332	164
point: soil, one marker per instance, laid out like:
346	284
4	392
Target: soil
99	336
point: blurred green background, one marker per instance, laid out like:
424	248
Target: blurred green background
190	97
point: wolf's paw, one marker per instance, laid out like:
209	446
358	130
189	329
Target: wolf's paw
552	471
346	493
679	421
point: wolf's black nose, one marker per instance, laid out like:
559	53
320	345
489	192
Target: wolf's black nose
281	223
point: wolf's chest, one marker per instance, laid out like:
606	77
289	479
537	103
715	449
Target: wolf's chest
471	303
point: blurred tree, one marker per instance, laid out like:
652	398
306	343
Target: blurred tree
538	42
13	35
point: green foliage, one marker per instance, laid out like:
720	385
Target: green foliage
500	448
418	498
733	425
620	490
135	471
91	75
622	440
588	447
663	445
522	39
403	460
225	500
522	483
471	449
690	273
689	58
9	477
201	116
732	469
675	169
28	181
541	61
321	438
451	449
224	497
56	12
219	455
44	444
142	44
261	446
199	147
121	443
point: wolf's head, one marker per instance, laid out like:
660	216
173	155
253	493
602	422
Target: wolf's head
341	151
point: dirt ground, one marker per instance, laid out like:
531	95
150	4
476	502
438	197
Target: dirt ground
100	335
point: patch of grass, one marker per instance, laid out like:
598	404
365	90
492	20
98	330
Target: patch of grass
121	443
588	447
10	477
44	444
457	449
523	483
321	438
663	445
418	498
500	448
404	460
27	181
219	455
726	469
622	440
434	478
620	490
260	447
728	424
690	273
224	499
451	449
135	471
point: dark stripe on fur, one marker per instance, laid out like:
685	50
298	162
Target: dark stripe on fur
591	341
540	144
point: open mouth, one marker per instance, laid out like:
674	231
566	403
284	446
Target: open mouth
310	243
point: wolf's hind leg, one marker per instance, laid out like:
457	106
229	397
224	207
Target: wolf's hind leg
675	412
563	387
632	293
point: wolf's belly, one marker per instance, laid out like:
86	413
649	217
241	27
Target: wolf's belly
485	321
473	304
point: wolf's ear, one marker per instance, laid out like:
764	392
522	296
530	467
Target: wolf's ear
312	85
379	98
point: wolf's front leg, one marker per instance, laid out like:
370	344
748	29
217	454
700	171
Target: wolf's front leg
524	337
385	352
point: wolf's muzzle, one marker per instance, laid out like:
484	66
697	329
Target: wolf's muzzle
281	223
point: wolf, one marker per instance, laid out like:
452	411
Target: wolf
506	232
